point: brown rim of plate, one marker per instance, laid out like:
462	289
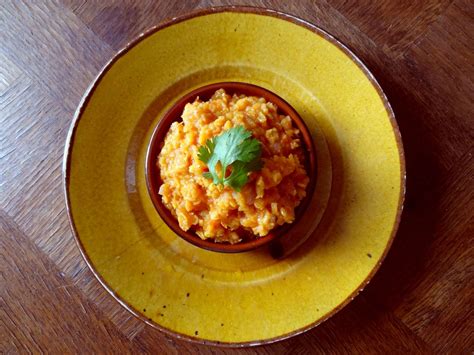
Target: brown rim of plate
240	9
153	179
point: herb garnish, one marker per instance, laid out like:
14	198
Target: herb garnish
233	148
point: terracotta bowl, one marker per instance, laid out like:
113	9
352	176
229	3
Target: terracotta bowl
154	181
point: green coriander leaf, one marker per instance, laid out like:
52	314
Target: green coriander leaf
234	148
239	176
204	152
250	151
255	165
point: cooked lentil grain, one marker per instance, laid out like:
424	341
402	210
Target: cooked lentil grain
268	199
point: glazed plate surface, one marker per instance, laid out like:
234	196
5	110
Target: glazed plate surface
262	295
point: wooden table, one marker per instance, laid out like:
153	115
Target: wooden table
421	52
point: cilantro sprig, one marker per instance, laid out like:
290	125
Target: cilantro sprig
233	148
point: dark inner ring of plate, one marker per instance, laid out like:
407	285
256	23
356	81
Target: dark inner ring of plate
153	178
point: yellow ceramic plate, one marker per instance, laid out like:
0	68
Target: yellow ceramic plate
249	298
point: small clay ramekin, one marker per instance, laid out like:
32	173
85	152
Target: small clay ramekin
154	181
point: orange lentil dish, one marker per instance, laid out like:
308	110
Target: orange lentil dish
217	211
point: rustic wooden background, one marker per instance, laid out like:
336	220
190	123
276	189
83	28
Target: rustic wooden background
422	298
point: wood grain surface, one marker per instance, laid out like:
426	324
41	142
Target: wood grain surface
421	301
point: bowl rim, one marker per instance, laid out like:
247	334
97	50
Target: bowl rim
202	12
173	114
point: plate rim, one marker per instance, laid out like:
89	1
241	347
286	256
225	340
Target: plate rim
187	16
